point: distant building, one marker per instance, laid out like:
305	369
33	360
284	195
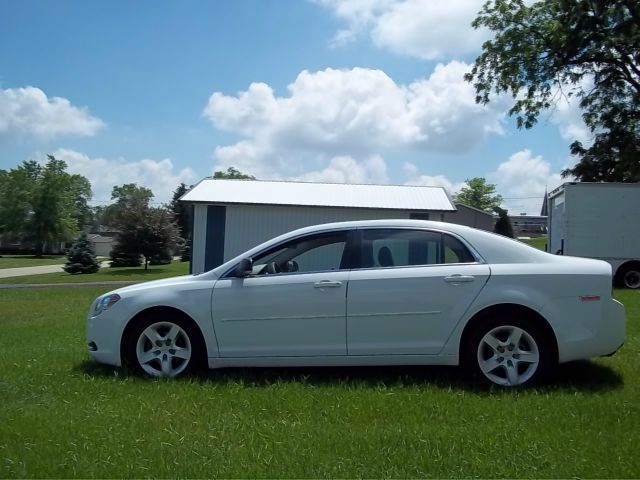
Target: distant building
102	244
529	225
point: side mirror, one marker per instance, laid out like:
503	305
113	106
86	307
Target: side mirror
244	268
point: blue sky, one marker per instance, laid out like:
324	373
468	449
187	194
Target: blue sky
362	91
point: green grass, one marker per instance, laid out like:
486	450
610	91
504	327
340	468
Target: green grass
62	415
16	261
106	274
538	242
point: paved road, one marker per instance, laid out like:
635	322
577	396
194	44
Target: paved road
23	271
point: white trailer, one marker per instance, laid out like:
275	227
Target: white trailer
598	220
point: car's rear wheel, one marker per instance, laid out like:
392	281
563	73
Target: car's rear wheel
509	352
165	345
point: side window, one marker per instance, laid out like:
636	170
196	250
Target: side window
455	251
402	247
315	253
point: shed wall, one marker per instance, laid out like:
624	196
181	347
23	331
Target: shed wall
471	218
248	225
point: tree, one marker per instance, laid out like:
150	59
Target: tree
181	211
81	257
42	204
479	194
503	225
143	230
158	237
232	173
569	48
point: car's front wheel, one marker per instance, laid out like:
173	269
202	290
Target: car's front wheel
164	346
509	352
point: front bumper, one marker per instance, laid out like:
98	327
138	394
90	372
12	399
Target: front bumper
103	338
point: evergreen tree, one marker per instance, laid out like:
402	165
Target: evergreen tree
81	257
503	225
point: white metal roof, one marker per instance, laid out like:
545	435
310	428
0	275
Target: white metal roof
259	192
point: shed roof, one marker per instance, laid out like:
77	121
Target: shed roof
260	192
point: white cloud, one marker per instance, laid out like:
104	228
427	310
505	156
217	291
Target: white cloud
158	175
357	112
522	180
428	29
345	169
29	112
415	178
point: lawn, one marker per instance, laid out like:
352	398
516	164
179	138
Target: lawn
16	261
538	242
64	416
106	274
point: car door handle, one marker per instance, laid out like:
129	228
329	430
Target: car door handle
327	284
457	278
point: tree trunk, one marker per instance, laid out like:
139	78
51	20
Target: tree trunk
146	263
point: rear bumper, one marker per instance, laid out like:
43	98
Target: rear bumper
615	330
595	332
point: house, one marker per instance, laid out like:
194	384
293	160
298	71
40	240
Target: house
102	244
231	216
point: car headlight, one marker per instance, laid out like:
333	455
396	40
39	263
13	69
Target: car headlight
104	303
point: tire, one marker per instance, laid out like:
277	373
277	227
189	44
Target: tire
509	351
628	276
165	344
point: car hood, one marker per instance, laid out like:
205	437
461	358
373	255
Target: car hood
166	282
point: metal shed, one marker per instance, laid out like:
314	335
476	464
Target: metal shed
231	216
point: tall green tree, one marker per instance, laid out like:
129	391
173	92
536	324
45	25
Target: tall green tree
233	174
588	50
181	211
42	204
143	229
479	194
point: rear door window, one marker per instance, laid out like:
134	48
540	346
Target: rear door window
383	248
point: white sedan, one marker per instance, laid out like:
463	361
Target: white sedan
384	292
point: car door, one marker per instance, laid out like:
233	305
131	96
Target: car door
411	289
293	305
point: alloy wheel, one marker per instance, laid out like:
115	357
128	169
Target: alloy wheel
508	355
163	349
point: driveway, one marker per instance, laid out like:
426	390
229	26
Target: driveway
23	271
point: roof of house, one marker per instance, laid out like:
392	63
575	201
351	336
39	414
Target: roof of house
260	192
475	209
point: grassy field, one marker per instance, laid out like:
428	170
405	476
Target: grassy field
106	274
538	242
64	416
16	261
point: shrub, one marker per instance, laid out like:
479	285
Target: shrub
122	257
163	258
186	251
